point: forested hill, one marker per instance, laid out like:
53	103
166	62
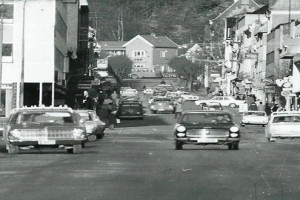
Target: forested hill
181	20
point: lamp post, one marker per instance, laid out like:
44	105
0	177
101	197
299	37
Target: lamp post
23	57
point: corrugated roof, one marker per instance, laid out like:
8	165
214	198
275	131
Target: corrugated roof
160	41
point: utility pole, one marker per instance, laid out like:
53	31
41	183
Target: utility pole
1	47
23	58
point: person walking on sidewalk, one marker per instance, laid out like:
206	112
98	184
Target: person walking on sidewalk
178	109
112	112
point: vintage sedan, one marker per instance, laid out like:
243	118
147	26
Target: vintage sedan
210	106
189	97
254	118
284	124
206	128
129	93
131	99
94	126
38	127
162	105
224	101
148	91
130	110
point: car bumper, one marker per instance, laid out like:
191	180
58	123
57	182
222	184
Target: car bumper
202	141
254	123
46	143
131	117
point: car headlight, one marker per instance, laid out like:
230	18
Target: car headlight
170	107
152	107
15	133
77	133
234	135
181	129
234	129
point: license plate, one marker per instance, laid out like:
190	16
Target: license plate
47	142
207	140
161	109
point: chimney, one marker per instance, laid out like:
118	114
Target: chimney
153	34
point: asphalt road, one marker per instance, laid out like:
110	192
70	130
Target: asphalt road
137	161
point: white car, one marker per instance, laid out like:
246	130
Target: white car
129	93
254	118
148	91
189	97
284	124
224	101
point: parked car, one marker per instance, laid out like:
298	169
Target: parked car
189	97
172	94
149	91
206	127
162	104
224	101
167	87
210	106
44	127
284	124
254	118
130	110
160	92
93	125
151	99
129	92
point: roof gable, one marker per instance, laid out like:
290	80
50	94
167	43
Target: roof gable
154	41
237	8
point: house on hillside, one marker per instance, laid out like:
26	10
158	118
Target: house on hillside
151	55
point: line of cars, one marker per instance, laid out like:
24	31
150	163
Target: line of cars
51	127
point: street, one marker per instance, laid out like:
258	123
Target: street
138	161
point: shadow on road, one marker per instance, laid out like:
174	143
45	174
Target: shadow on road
150	120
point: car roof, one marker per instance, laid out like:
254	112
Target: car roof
205	111
42	108
285	113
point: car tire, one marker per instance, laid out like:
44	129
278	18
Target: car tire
229	146
242	124
77	148
232	105
92	138
178	145
100	135
13	149
82	144
263	125
153	111
235	146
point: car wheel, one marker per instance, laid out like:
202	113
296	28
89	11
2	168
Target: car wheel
13	149
229	146
235	146
263	125
153	111
242	124
77	148
92	138
100	135
82	144
178	145
232	105
134	76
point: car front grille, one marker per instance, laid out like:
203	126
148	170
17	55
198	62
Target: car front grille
206	132
46	134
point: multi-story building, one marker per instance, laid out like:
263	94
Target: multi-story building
37	38
151	55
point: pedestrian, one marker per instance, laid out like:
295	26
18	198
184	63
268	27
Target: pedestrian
112	119
260	107
178	109
252	106
144	87
114	97
268	109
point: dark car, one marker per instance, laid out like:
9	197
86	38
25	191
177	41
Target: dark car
37	127
130	99
93	125
130	110
206	128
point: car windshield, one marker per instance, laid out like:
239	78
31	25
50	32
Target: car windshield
43	117
255	114
286	119
206	118
85	116
131	105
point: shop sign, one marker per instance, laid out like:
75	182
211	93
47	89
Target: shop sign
270	89
169	75
102	63
84	86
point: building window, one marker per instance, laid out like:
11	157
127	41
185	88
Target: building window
7	52
138	53
162	54
8	12
270	57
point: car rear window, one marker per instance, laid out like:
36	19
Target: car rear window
286	119
43	117
162	99
206	118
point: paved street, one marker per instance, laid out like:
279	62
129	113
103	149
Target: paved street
137	161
